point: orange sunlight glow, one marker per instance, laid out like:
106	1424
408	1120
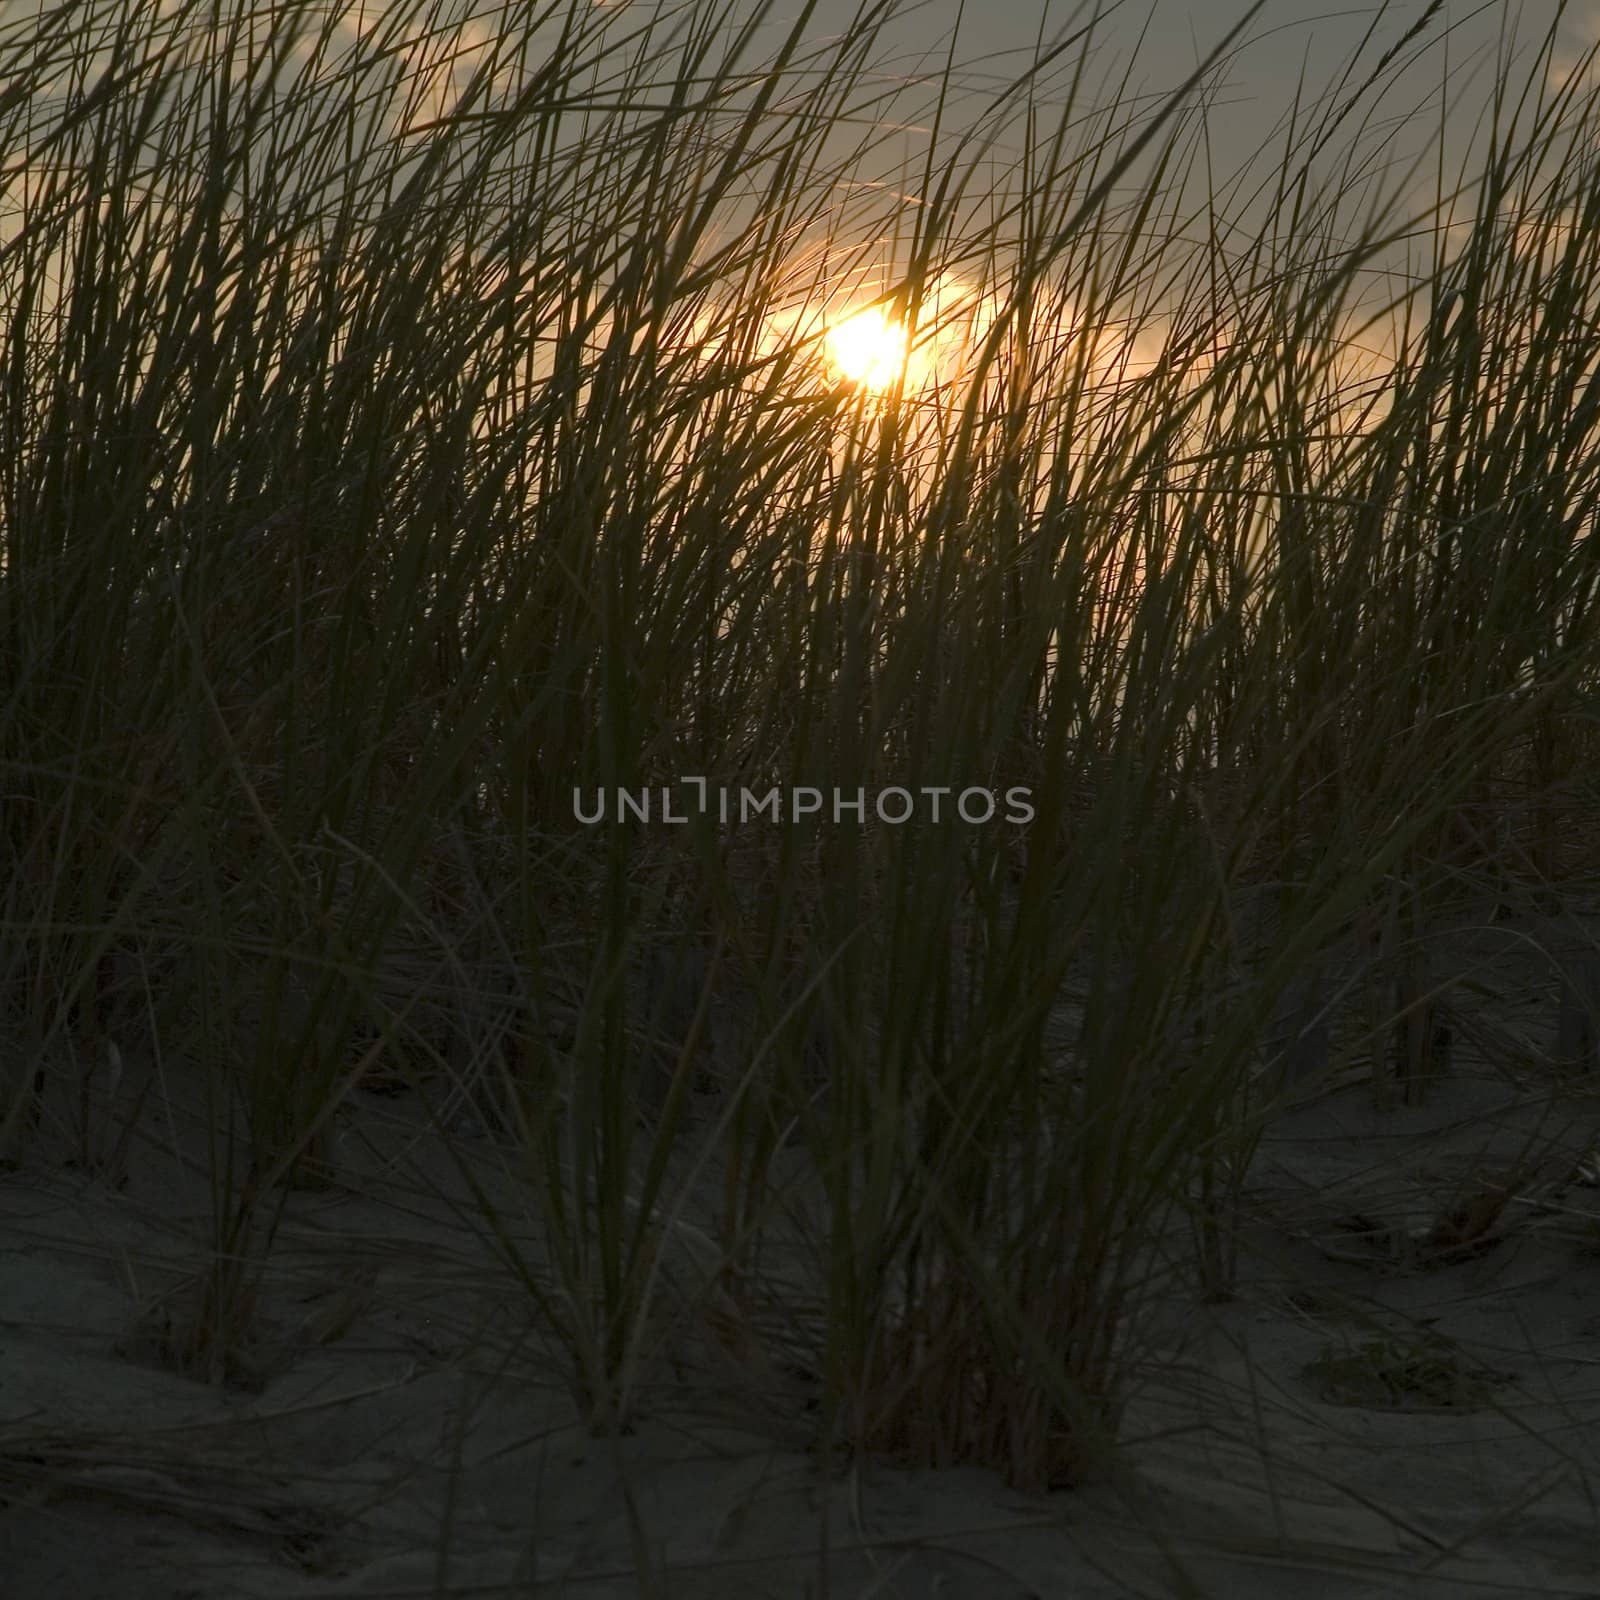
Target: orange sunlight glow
869	349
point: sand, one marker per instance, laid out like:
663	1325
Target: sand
1399	1399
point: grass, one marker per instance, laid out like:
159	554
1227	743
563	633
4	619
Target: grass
365	494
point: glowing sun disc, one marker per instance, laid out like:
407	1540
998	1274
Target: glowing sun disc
868	349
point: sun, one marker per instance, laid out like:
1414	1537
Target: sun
869	349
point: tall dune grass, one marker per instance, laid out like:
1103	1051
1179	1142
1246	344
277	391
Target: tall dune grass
395	439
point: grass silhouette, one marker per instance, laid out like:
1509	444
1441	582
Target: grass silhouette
410	426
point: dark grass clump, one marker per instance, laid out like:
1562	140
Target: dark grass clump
410	424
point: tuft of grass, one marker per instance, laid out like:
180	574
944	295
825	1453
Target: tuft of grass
408	429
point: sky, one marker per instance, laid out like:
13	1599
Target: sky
1140	50
1438	84
1285	38
1316	49
1289	46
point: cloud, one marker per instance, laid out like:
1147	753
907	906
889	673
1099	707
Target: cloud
1574	57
